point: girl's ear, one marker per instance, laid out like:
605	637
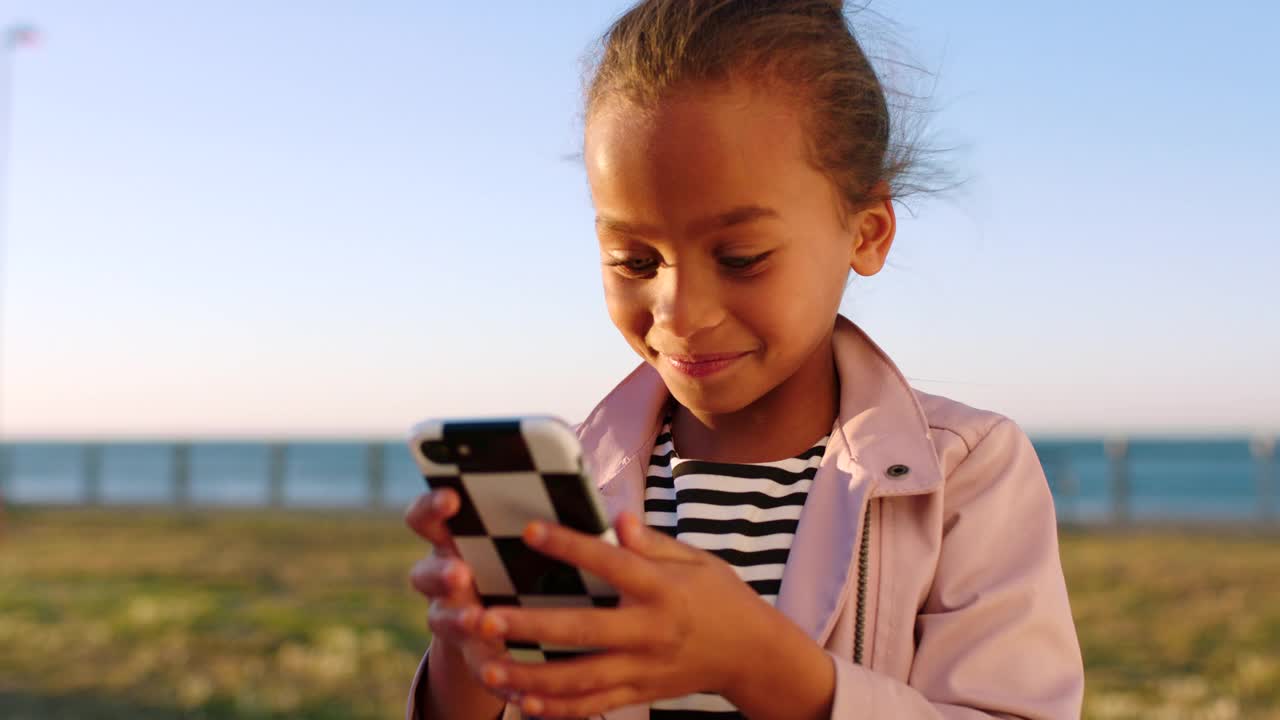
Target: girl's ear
872	228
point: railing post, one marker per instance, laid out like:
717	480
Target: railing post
375	474
1067	489
1264	456
91	473
276	468
6	471
181	474
1118	451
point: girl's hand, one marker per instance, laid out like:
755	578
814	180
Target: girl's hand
686	623
446	581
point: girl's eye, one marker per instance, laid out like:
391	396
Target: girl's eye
635	266
742	263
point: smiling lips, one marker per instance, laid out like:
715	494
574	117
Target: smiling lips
700	366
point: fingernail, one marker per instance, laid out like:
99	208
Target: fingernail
535	533
437	502
493	624
531	706
494	675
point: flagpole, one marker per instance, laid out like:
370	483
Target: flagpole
15	37
6	114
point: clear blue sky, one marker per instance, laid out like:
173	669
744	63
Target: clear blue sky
297	218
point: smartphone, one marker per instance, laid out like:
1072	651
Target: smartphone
506	473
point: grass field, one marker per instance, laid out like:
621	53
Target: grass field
118	614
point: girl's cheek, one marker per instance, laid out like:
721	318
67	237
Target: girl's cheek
628	308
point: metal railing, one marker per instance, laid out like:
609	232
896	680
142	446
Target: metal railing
274	473
371	467
1118	498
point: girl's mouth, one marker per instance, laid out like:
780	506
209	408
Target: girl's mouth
700	366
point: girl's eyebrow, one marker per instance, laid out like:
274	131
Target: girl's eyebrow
736	216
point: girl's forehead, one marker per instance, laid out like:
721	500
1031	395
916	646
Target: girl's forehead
696	155
724	126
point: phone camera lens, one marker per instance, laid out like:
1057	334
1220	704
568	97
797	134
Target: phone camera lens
437	452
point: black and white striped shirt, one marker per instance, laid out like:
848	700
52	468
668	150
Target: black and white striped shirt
746	514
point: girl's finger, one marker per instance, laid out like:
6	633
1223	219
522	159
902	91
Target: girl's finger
443	578
452	626
480	654
626	571
628	628
638	537
427	515
566	678
581	706
457	624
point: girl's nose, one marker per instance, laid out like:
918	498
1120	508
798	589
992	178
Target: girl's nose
686	302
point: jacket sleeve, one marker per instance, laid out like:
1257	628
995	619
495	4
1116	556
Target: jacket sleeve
418	690
995	636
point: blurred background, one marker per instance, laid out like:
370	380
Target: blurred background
243	246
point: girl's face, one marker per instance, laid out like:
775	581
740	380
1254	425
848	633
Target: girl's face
724	253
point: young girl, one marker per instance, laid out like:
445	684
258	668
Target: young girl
801	534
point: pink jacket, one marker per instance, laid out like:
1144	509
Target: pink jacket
964	612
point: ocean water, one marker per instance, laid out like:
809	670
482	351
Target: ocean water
1212	479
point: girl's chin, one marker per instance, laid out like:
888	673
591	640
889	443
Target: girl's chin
707	398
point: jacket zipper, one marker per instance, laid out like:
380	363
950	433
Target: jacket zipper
863	553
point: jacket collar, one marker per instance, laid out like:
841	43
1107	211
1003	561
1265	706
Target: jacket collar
880	425
881	421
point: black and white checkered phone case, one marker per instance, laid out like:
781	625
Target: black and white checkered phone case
508	472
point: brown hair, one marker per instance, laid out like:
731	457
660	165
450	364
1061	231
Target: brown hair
806	47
